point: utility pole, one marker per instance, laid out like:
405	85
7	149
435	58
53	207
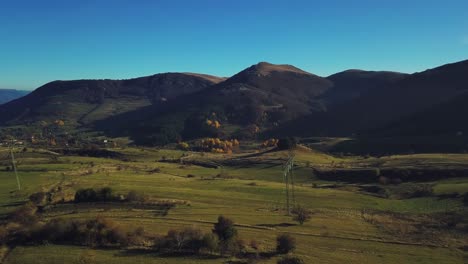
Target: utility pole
288	177
13	162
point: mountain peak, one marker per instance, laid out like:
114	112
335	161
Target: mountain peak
265	68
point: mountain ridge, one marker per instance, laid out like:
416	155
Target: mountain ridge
276	100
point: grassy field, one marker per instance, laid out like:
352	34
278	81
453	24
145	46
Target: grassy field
348	225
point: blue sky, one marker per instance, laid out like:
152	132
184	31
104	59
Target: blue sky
46	40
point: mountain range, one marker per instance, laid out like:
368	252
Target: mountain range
262	100
7	95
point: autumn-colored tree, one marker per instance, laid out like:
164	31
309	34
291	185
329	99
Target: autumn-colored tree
183	145
59	122
272	142
217	145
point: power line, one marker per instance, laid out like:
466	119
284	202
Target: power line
13	162
288	178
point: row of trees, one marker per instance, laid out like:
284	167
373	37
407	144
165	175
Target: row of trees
107	194
223	239
102	232
272	142
217	145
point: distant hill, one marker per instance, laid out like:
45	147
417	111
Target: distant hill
400	98
263	95
414	94
352	84
82	102
449	118
7	95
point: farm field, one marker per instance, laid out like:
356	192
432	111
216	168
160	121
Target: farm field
349	224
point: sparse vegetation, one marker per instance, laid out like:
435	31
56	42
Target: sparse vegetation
290	260
301	215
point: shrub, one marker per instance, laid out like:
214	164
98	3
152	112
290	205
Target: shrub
89	195
39	198
94	232
106	194
290	260
87	257
186	240
135	237
383	180
86	195
56	231
183	146
210	242
301	215
100	232
423	190
3	235
287	143
233	247
254	244
135	197
26	214
285	243
224	229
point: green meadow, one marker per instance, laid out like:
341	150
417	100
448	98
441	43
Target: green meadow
348	225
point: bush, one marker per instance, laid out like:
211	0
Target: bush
90	195
301	215
285	243
26	214
233	246
423	191
135	237
3	235
95	232
106	194
225	229
210	242
86	195
135	197
290	260
254	244
39	198
87	257
183	146
384	180
287	143
187	240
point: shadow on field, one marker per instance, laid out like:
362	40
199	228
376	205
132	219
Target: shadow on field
13	204
154	253
277	225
